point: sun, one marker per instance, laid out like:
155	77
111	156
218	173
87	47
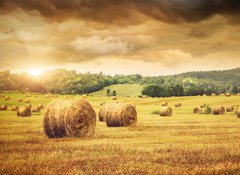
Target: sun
35	72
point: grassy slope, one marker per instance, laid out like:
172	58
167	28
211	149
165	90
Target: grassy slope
203	144
132	90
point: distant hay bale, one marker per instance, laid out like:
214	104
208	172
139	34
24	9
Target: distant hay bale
222	94
27	101
15	108
204	95
229	108
238	94
84	96
177	105
29	106
40	106
203	105
164	103
28	95
228	94
213	94
197	110
165	111
3	107
36	109
219	110
20	100
120	114
6	98
114	98
69	118
24	112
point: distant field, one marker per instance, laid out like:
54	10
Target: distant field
133	90
181	144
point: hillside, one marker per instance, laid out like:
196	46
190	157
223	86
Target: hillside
132	90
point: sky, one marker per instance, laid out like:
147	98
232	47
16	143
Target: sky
148	37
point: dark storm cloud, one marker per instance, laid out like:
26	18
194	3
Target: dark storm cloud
110	11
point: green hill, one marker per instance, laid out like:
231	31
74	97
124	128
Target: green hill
132	90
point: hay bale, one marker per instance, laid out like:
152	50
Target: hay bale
177	105
229	108
114	98
24	112
238	94
27	101
20	100
197	111
29	106
204	95
3	107
120	114
203	105
36	109
40	106
84	96
219	110
228	94
15	108
222	94
103	112
69	118
164	103
165	111
6	98
213	94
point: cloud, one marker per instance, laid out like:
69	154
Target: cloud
125	11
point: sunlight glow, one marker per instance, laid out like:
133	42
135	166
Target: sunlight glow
35	72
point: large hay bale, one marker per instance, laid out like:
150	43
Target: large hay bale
229	108
177	105
103	112
197	111
164	103
20	100
228	94
165	111
36	109
40	106
3	107
24	112
69	118
219	110
15	108
120	114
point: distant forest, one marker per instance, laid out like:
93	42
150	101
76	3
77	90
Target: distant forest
70	82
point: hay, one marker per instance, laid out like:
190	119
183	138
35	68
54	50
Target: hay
29	106
204	95
84	96
15	108
36	109
40	106
120	114
213	94
222	94
20	100
165	111
219	110
238	94
3	107
6	98
229	108
197	111
69	118
203	105
164	103
177	105
238	112
27	101
114	98
228	94
103	112
24	112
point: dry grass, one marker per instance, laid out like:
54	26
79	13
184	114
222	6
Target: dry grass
182	144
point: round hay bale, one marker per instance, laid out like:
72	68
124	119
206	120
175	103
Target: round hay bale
114	98
6	98
213	94
103	112
29	106
27	101
229	108
165	111
238	94
84	96
197	110
164	103
40	106
228	94
20	100
204	95
15	108
119	114
3	107
203	105
219	110
69	118
36	109
177	105
222	94
24	112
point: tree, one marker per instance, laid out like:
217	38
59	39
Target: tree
235	89
114	93
152	90
108	92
